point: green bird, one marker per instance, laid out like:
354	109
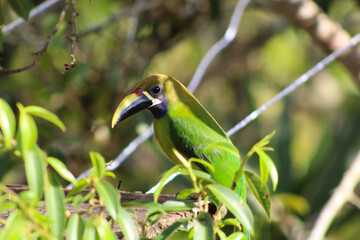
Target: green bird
182	124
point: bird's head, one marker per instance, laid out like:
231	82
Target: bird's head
148	94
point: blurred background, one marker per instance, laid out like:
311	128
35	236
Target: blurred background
121	42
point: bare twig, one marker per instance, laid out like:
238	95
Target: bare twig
39	53
33	13
328	34
73	38
341	195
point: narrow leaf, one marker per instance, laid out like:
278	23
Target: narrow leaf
170	229
34	169
185	193
174	170
261	192
270	167
54	199
21	8
104	230
74	228
7	122
110	197
264	173
45	114
61	169
203	228
89	231
14	227
127	225
234	204
28	129
202	162
79	186
237	236
98	162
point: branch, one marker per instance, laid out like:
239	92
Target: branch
33	13
301	80
39	53
342	194
328	34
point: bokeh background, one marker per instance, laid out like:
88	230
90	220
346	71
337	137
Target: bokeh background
317	126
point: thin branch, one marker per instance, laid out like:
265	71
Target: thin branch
341	195
73	38
229	35
301	80
33	13
39	53
327	33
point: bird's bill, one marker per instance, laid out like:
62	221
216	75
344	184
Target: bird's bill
132	104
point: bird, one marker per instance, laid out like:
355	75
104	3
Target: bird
182	125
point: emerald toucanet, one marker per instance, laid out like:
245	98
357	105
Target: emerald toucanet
181	123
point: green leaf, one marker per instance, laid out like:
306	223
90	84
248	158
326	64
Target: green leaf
98	162
35	169
202	162
185	193
21	8
104	230
231	222
261	192
110	174
79	186
163	179
178	205
167	233
61	169
45	114
264	173
110	197
89	231
237	236
14	227
127	225
203	228
55	205
75	228
28	129
234	204
7	121
270	167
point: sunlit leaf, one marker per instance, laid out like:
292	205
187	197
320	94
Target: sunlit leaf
167	233
237	236
110	197
270	167
178	205
104	230
110	174
185	193
98	162
45	114
79	186
264	173
14	227
261	192
231	222
175	169
28	129
75	228
61	169
21	8
7	121
54	199
234	204
202	162
203	228
127	225
89	231
35	169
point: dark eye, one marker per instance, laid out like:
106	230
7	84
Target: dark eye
156	89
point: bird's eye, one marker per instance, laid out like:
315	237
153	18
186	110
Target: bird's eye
156	89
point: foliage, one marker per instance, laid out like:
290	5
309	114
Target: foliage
43	176
317	125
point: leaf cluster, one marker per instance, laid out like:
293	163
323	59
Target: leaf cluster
44	174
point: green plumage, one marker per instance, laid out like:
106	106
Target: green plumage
182	123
